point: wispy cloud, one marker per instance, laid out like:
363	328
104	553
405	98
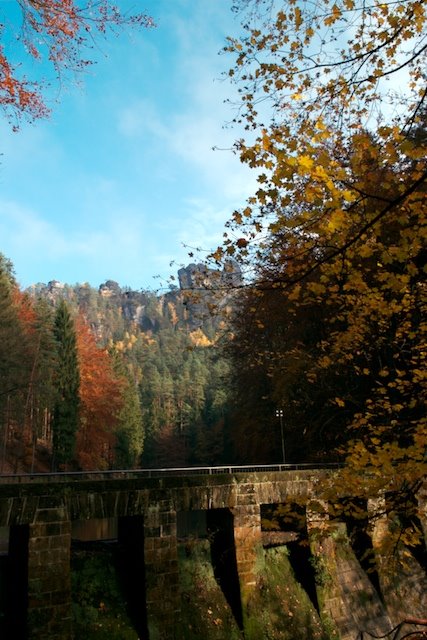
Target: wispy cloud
124	245
124	174
141	118
193	126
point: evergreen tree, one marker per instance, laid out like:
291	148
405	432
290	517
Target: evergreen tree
41	388
130	431
66	411
11	348
13	364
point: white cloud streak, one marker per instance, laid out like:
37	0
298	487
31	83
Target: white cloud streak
87	201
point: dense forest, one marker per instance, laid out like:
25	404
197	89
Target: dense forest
114	378
109	377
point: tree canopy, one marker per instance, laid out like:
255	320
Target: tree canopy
332	321
60	33
152	387
66	409
315	82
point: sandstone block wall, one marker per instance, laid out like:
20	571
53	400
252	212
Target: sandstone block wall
346	595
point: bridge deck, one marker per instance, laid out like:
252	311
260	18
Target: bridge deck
167	472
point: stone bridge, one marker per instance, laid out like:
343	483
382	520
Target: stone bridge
40	513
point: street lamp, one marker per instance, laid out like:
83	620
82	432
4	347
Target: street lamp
279	414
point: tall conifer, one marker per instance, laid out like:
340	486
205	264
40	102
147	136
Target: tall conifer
130	432
13	363
66	411
11	348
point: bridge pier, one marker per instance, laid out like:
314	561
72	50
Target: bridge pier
402	579
346	596
161	570
49	585
247	539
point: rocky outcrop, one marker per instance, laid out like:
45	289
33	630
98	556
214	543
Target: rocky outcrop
201	291
109	288
199	276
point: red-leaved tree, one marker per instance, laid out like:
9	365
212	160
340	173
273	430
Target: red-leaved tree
60	33
101	399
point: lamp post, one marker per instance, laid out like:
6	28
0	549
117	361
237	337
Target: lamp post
279	414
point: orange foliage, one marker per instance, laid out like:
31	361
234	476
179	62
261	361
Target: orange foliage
100	401
57	31
25	310
27	319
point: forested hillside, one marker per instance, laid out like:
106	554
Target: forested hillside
109	377
95	378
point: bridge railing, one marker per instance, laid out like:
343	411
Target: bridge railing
118	474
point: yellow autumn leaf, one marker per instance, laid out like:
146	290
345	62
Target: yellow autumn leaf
337	220
365	251
320	125
305	161
347	195
316	288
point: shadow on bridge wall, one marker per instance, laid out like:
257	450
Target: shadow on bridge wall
130	535
14	583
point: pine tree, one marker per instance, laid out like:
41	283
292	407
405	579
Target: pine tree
130	434
11	348
66	411
13	364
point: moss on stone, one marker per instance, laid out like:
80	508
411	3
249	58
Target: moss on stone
205	613
99	608
279	608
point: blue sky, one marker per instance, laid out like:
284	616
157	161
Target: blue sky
123	173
